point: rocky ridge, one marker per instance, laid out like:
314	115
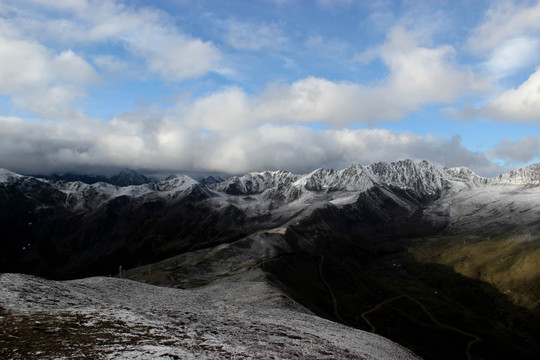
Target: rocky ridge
242	317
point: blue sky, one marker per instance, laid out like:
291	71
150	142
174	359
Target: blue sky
230	87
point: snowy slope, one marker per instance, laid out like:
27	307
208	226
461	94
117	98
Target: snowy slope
276	188
7	176
529	176
490	210
241	317
284	195
255	183
82	196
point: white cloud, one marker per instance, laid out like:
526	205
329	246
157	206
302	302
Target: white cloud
68	66
227	110
47	82
165	144
418	76
24	64
40	81
520	104
244	132
518	151
147	33
53	102
513	55
174	57
508	38
504	21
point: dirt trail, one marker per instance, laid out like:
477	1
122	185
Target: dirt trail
334	300
474	340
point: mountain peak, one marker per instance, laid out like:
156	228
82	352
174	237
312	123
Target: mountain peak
6	175
130	177
529	176
208	180
256	182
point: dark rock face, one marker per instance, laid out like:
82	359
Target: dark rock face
124	178
129	177
43	234
208	180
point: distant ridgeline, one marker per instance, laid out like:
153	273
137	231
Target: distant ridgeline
126	177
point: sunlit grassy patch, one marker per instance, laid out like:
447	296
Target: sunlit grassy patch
508	262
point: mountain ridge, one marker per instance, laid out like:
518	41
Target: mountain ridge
398	173
125	177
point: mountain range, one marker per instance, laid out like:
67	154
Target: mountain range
125	177
439	260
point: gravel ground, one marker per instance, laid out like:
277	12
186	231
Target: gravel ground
241	317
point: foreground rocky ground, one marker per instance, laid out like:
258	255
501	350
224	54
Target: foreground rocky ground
242	317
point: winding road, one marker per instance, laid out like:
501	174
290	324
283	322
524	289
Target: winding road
334	300
377	307
474	340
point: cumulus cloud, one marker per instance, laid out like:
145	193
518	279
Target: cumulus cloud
518	151
54	102
508	38
519	104
24	64
174	57
164	144
418	76
70	67
513	55
505	20
41	81
29	64
146	33
43	75
421	75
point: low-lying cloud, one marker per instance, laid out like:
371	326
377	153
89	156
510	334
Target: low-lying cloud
164	144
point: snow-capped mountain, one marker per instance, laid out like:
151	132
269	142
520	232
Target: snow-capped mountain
280	193
125	178
315	235
255	183
529	176
130	177
435	197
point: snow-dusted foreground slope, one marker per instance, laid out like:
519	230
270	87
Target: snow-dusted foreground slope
241	317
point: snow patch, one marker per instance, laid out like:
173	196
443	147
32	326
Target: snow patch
241	317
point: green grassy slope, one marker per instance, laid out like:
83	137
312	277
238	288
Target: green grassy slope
511	263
